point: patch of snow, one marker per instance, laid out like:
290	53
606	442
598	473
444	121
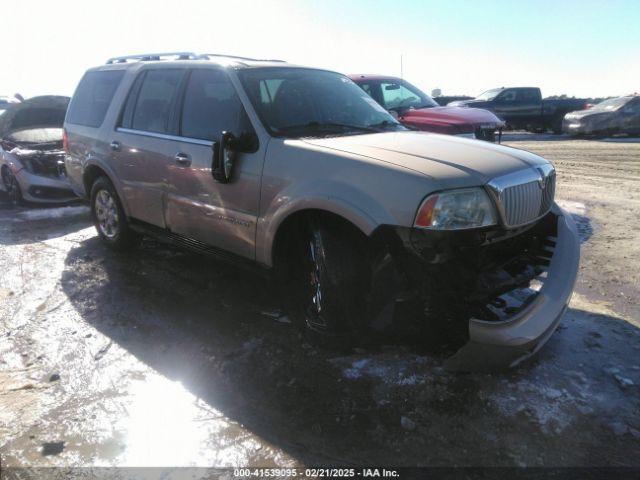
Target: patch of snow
392	371
575	208
49	213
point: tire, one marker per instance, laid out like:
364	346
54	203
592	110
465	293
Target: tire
325	282
109	217
12	188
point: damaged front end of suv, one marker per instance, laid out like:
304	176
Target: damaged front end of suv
31	151
489	270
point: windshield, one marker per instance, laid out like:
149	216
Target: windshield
401	95
296	102
489	94
611	104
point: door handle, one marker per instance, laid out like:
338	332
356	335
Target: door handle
183	159
115	145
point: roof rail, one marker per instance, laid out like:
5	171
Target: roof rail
235	57
154	56
145	57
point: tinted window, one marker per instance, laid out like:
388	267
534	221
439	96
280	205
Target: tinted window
211	106
508	96
404	95
153	107
92	98
528	95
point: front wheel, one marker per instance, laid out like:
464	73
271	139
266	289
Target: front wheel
325	283
12	187
109	217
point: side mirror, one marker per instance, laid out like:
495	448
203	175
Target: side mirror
224	157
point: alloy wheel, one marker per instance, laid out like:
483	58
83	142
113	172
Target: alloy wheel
107	214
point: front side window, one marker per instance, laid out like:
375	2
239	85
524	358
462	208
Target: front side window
93	96
507	96
528	95
153	106
211	106
300	101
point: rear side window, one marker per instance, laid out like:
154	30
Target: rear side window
154	103
92	98
211	106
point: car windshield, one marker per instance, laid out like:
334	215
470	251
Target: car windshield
612	104
295	102
401	95
489	94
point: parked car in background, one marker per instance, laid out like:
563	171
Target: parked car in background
524	108
294	170
416	109
615	115
31	151
6	102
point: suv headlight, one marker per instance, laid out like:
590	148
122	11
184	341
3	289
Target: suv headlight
456	210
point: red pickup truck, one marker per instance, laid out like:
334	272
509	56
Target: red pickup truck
417	109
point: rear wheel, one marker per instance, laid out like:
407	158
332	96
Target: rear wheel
109	217
325	282
12	187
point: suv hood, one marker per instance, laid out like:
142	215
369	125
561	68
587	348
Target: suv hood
441	157
456	115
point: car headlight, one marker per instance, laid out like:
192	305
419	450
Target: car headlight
27	163
456	210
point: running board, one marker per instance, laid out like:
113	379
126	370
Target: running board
171	238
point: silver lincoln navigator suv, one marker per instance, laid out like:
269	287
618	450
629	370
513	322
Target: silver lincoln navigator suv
296	170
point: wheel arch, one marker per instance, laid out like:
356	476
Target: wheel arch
91	173
281	223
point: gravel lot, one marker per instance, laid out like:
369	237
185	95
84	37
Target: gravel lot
162	358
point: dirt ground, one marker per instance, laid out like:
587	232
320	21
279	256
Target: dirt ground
160	357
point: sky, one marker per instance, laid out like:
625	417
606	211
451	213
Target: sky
585	48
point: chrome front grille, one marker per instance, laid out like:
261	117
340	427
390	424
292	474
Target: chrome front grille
523	197
548	194
522	203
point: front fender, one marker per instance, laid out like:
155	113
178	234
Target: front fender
325	196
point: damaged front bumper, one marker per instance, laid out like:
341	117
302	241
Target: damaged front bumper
41	189
41	175
501	344
497	294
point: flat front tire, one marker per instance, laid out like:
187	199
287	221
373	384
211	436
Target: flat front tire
109	217
326	283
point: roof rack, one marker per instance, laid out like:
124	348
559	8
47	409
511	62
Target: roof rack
235	57
153	56
147	57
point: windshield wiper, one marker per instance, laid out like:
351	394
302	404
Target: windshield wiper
328	125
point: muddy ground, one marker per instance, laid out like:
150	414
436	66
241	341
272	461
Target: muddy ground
160	357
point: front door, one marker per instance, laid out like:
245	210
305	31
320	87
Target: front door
199	207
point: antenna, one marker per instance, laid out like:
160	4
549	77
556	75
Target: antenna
401	81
